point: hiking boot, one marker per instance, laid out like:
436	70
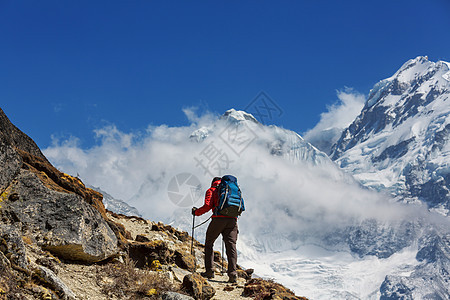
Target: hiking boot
232	278
207	274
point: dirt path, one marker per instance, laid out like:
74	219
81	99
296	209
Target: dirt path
225	290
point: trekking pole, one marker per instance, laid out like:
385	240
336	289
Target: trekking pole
192	241
222	254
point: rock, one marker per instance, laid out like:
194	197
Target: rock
393	288
61	182
266	289
175	296
185	260
48	262
63	223
11	135
144	253
246	274
12	246
179	273
198	287
182	236
142	238
66	217
121	233
48	277
10	163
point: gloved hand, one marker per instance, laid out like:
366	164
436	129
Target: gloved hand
193	210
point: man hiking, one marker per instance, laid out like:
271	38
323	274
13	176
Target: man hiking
220	224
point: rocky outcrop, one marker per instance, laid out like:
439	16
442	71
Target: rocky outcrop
63	215
62	223
12	136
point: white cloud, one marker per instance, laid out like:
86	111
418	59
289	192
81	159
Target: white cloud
338	116
281	197
192	114
288	204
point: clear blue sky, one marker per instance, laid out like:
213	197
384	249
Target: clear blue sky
69	67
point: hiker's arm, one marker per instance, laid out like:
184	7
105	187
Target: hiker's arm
207	206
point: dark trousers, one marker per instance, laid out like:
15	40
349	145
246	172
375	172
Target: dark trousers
229	229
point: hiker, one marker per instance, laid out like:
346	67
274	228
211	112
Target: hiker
220	224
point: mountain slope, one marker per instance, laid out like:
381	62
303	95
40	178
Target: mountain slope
400	141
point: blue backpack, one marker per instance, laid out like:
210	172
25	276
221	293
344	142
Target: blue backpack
231	203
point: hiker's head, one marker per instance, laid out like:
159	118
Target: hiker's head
215	179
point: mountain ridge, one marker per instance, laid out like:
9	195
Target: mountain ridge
403	130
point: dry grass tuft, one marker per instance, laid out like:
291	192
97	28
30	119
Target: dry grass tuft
125	281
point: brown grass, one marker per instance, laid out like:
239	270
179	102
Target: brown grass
124	281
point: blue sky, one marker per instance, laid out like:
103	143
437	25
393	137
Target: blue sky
69	67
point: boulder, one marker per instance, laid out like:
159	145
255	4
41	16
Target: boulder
66	218
198	287
62	223
185	260
143	254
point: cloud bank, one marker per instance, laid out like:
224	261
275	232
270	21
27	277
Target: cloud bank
288	199
338	117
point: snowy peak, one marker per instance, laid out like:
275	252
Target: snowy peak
400	141
413	74
412	67
230	117
275	140
238	116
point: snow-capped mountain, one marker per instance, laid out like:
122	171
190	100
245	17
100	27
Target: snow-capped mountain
400	141
333	254
307	223
116	205
278	141
400	144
